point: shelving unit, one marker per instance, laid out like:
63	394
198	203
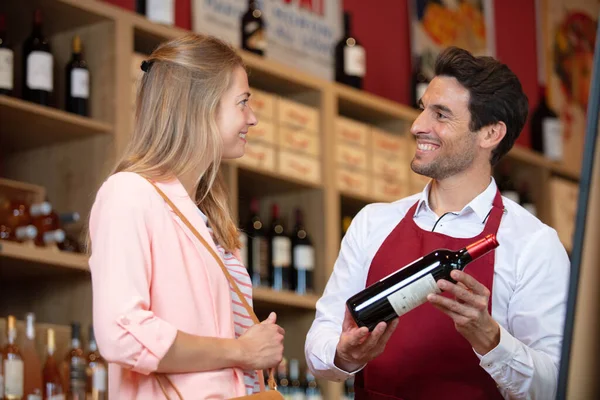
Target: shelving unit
69	156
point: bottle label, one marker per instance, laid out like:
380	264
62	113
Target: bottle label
260	251
355	61
256	36
57	397
6	69
282	251
421	88
99	378
1	385
39	71
34	397
78	373
80	83
413	295
553	138
161	11
304	257
13	378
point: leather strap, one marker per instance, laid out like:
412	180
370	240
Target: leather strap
271	382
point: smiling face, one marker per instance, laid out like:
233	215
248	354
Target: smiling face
235	115
445	144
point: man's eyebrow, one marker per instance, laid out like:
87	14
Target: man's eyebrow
248	94
443	108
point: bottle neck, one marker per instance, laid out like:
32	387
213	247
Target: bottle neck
347	27
93	346
12	336
30	329
75	343
479	248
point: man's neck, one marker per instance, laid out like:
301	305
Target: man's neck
454	193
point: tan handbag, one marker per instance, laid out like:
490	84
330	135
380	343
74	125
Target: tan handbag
272	394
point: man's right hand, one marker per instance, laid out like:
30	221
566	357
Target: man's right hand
262	345
358	346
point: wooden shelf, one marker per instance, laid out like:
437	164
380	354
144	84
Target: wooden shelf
371	108
27	125
265	296
533	158
19	261
274	182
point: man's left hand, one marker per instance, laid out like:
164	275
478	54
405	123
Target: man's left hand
468	310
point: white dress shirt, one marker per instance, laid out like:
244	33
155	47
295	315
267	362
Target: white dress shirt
529	291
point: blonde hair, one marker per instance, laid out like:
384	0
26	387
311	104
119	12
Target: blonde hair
175	123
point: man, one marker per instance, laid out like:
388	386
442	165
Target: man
496	333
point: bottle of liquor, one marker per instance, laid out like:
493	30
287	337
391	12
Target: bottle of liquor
312	388
77	81
258	248
408	287
349	389
303	258
6	60
38	64
280	252
283	382
31	359
46	220
546	130
253	29
159	11
53	387
13	363
419	82
97	384
350	58
296	391
75	365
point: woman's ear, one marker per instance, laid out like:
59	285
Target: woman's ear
493	135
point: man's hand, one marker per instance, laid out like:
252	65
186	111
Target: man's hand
358	346
469	311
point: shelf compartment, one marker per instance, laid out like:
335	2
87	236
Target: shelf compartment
20	261
26	125
266	296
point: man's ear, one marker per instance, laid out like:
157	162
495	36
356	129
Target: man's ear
492	135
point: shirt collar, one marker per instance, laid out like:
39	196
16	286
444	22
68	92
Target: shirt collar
480	205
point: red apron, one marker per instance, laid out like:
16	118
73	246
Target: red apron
426	358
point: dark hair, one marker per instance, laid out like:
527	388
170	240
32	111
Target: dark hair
495	93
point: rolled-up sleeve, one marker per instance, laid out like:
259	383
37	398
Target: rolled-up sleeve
127	331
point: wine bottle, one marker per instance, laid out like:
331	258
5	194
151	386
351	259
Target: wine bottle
96	370
31	359
253	29
312	388
6	60
258	248
280	249
546	130
303	258
38	64
159	11
74	369
283	382
12	363
407	288
350	58
295	392
53	387
349	389
77	81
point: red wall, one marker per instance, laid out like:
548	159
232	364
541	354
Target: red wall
384	31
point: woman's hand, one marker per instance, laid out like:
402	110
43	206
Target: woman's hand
262	345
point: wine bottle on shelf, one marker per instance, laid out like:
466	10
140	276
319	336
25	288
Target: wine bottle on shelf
31	359
258	248
419	82
96	371
312	388
349	389
74	369
38	64
283	382
408	288
12	363
159	11
546	130
53	385
77	81
6	60
303	258
296	392
253	29
70	243
280	252
350	57
46	220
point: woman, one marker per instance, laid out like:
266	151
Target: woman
162	304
